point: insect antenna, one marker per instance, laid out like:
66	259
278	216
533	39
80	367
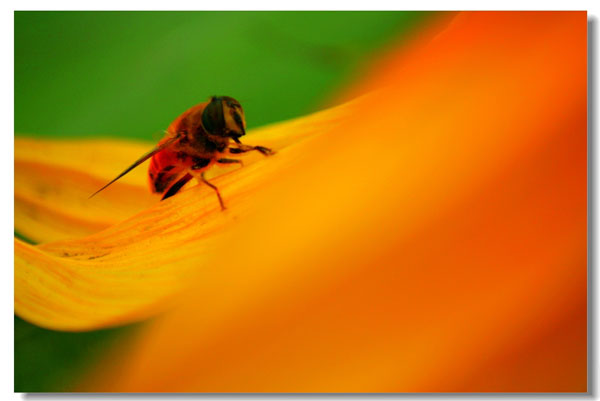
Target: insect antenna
138	162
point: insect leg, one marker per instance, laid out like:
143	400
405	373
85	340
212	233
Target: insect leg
229	161
247	148
215	188
177	186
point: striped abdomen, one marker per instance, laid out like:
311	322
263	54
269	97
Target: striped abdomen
165	168
172	164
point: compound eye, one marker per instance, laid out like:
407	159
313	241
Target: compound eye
212	117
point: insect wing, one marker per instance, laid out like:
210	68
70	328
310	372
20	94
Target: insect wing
139	161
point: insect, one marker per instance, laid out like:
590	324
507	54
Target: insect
197	139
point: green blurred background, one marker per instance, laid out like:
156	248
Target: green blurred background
129	74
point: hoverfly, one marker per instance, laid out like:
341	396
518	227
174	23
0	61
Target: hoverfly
197	139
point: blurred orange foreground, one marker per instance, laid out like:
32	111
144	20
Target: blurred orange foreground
434	242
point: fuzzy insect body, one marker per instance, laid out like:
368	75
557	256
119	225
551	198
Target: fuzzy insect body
197	139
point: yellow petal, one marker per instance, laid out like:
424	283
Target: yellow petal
126	271
54	179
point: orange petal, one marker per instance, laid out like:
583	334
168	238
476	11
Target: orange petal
428	237
434	241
